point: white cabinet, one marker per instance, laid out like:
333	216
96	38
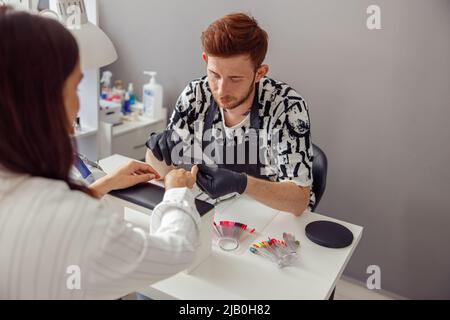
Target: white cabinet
128	139
87	137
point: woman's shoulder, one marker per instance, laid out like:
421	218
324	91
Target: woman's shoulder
43	192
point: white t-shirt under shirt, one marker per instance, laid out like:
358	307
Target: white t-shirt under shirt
230	131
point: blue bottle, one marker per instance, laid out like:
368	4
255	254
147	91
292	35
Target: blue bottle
126	105
132	95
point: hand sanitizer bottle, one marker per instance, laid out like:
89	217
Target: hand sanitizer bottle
152	97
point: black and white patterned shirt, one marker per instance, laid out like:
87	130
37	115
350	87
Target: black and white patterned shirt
284	120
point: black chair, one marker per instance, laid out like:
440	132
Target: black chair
320	169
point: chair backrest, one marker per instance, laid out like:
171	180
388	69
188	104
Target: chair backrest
320	169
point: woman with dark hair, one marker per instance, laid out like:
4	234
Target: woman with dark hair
57	240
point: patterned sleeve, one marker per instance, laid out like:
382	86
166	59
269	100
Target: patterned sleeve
294	148
181	120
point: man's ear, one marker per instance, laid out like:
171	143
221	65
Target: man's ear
205	57
262	72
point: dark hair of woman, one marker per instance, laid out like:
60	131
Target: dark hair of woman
37	55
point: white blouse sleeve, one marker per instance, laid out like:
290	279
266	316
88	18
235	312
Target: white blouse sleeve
130	258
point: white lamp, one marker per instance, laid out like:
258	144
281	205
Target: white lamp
96	49
27	5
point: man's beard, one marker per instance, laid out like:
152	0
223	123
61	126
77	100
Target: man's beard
240	101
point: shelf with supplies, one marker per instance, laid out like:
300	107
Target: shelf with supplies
129	137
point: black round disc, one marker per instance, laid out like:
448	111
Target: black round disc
329	234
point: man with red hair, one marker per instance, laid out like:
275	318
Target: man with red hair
255	130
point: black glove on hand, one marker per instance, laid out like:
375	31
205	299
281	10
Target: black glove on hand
217	182
161	145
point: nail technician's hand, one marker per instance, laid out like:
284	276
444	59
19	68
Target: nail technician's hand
162	144
128	175
181	178
218	182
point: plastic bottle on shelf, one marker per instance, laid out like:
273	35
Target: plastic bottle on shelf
131	93
126	104
106	85
118	89
152	96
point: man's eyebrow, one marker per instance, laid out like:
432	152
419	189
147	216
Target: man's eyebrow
235	77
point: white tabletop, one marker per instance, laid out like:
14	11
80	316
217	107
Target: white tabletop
243	275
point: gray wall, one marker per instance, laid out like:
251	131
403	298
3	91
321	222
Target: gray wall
379	103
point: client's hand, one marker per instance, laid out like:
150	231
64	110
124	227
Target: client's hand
181	178
128	175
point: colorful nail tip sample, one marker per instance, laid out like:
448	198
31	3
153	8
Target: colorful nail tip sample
230	234
281	252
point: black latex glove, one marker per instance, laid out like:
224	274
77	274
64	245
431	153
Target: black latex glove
161	145
217	182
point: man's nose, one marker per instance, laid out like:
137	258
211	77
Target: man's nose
222	87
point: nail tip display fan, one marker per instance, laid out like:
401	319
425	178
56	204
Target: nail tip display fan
230	234
282	252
